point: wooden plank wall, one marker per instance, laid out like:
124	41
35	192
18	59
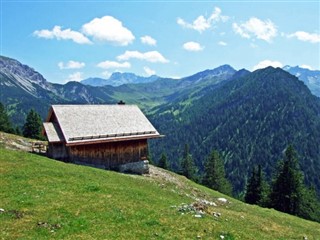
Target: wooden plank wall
57	151
109	155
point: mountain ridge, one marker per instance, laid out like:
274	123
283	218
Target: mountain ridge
250	120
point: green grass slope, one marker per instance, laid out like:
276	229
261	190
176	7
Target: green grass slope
45	199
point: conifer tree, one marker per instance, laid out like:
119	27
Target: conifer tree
163	163
188	168
214	174
310	207
33	125
5	124
256	188
287	188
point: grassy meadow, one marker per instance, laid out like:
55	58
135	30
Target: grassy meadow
45	199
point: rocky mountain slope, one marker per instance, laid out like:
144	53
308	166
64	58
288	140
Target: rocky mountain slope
22	88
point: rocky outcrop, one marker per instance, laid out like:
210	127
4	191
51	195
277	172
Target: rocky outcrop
141	167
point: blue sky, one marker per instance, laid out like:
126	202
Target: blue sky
74	40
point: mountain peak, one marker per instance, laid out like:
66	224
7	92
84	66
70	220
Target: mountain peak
209	73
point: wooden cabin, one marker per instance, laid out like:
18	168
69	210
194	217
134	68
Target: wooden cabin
104	136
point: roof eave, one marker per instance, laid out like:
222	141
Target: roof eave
115	139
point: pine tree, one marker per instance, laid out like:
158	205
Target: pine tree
214	174
163	163
310	206
188	168
33	125
287	188
5	124
256	192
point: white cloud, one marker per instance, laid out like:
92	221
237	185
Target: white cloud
306	66
113	64
77	77
108	29
267	63
59	34
192	46
222	43
149	71
71	65
201	23
306	37
148	40
254	27
152	56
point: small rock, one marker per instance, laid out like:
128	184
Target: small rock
216	214
221	237
2	210
223	200
197	216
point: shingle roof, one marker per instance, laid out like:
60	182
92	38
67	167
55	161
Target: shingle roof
53	132
83	123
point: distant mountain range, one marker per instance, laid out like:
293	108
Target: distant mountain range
250	117
117	79
310	77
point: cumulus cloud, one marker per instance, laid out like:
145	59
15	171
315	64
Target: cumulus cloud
201	23
152	56
222	43
149	71
254	27
108	29
113	64
192	46
267	63
148	40
77	77
71	65
306	37
59	34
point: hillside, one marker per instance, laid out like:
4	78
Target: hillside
47	199
250	120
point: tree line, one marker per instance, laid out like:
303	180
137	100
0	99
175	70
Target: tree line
214	173
30	129
286	192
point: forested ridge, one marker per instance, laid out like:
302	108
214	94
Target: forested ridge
249	120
